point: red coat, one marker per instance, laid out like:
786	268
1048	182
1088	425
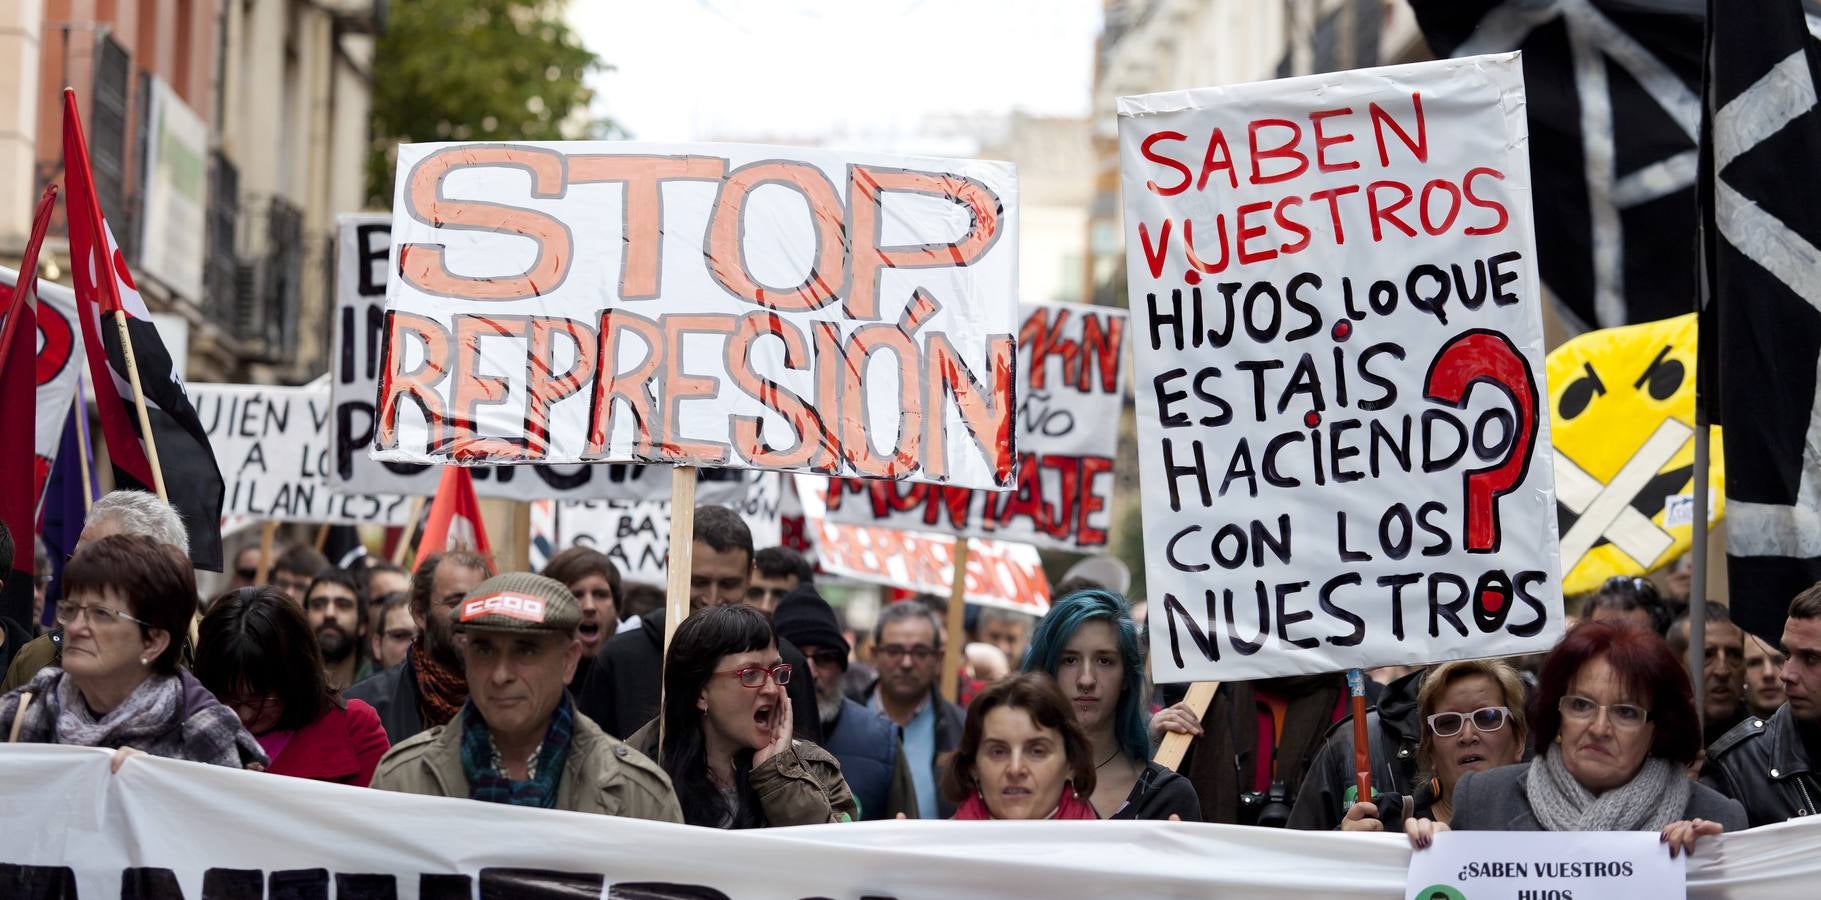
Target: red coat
343	746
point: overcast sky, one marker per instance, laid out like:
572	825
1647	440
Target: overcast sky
808	69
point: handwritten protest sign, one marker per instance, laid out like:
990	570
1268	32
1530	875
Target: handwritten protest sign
1071	366
273	447
635	534
363	244
1342	437
708	305
1004	574
1545	865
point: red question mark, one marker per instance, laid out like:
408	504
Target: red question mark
1474	357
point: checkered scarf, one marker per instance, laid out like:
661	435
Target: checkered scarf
487	779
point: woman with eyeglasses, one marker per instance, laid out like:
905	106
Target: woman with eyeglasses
727	723
128	603
256	652
1473	720
1616	724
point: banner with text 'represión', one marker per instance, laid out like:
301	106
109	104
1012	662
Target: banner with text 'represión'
1343	435
716	305
1071	392
363	246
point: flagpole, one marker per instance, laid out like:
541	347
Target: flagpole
80	410
145	420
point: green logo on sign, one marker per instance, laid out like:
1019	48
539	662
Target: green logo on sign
1440	892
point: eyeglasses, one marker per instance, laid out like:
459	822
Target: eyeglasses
67	615
1622	715
249	709
833	659
893	651
1486	718
755	676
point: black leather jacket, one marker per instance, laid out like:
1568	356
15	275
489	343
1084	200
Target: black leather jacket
1763	764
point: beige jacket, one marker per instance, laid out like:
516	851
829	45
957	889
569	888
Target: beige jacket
602	775
801	786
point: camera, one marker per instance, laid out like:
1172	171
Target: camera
1269	808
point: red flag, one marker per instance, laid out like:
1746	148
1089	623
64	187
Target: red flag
93	268
104	285
19	405
455	517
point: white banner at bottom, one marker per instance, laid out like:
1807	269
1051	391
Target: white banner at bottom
165	830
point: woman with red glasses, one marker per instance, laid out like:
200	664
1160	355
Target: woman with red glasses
1473	720
727	730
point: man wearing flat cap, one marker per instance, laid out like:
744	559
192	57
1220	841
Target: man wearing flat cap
519	740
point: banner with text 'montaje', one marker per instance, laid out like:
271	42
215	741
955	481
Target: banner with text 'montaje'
1071	394
715	305
164	830
1343	438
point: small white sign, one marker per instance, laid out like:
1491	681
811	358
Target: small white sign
1545	865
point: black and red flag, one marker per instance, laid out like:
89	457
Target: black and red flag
104	288
1761	242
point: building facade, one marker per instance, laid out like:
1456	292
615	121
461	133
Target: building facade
225	136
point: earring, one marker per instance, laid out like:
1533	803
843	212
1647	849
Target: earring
144	662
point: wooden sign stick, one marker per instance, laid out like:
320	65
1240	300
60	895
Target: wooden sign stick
957	624
267	531
145	420
404	540
1175	744
678	565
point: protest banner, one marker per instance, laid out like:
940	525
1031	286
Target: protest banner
1545	865
274	449
166	830
1342	442
635	534
1071	370
717	305
363	243
1622	410
1003	574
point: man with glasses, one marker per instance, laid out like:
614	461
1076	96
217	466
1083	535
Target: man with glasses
1767	764
518	739
428	688
907	648
872	757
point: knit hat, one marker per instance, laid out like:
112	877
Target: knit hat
805	619
518	601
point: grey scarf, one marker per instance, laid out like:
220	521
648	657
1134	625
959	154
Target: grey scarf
1653	798
150	710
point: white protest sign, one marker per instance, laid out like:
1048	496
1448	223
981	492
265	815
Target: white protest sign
1071	370
1004	574
363	245
717	305
1545	865
273	447
1342	438
635	534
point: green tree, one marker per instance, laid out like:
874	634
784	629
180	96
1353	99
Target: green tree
468	70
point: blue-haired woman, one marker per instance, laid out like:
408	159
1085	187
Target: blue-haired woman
1089	644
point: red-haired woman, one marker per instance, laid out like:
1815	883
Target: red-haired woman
1615	718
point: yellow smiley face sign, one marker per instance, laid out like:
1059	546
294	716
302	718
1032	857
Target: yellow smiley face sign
1622	408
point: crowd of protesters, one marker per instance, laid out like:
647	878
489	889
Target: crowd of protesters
554	690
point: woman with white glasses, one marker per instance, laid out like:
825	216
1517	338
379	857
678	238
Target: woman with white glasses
1616	729
1473	720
